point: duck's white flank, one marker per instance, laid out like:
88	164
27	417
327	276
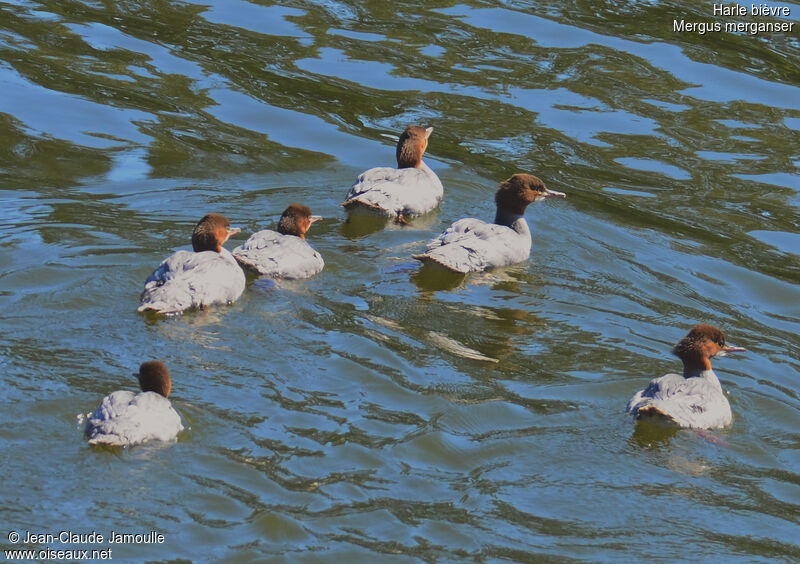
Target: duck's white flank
279	256
696	401
396	191
188	280
125	418
472	245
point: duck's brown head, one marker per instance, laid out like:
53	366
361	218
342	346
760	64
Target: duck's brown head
411	146
296	220
516	193
700	345
154	377
211	232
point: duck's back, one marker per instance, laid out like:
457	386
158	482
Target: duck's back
471	245
192	280
281	256
125	418
696	402
393	191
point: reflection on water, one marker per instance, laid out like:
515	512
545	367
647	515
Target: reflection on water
382	410
651	435
360	225
432	277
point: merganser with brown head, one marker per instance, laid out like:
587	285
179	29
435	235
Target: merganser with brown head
472	245
694	399
125	418
410	189
285	254
209	275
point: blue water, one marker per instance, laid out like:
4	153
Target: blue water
375	413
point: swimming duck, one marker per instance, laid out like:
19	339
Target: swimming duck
125	418
285	254
472	245
196	279
694	399
410	189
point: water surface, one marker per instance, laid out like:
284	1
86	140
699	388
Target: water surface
374	412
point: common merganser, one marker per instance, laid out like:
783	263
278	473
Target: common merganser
472	245
695	399
196	279
285	254
125	418
410	189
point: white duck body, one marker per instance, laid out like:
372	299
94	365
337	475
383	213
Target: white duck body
125	418
696	401
396	191
472	245
193	280
280	256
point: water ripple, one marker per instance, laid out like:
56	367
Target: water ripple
378	411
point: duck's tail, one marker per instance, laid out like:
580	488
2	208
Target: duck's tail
160	307
653	413
358	205
433	260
